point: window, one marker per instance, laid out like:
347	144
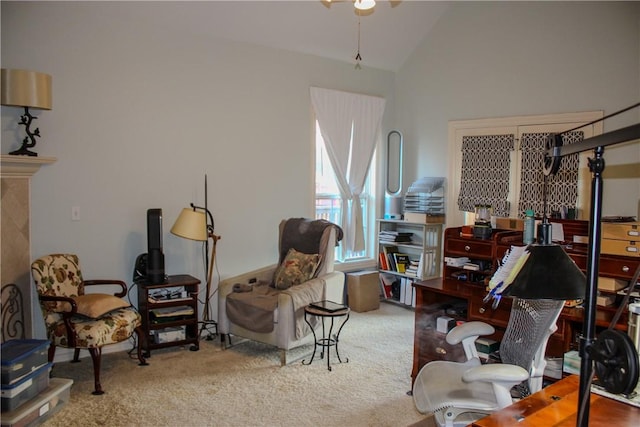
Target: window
329	204
524	165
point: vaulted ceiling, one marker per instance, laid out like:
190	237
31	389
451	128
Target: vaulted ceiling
389	33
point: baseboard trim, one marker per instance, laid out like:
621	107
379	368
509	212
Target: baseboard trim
66	354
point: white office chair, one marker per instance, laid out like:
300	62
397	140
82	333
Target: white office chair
459	393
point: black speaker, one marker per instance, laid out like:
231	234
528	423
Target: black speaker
155	257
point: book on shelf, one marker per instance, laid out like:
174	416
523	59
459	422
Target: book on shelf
401	262
408	291
386	285
382	260
394	237
388	252
183	310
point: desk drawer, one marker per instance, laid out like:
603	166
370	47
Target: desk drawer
470	248
618	267
621	230
629	248
483	312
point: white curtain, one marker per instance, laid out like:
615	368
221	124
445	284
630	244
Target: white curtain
350	126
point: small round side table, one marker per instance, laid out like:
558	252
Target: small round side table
327	340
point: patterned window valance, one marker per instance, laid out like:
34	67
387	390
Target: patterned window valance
562	188
485	172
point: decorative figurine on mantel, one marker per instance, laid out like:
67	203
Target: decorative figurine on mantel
28	89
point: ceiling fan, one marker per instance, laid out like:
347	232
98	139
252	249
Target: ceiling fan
360	4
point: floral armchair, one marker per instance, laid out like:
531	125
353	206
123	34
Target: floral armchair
79	320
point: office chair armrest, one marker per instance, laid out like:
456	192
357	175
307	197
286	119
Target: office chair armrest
467	334
123	285
501	376
496	372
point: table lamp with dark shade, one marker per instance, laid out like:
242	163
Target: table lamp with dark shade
28	89
548	273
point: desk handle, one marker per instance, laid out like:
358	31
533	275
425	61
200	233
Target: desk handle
625	268
467	248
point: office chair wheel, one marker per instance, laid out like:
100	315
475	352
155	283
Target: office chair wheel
615	362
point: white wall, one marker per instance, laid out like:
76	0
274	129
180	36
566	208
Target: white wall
141	114
500	59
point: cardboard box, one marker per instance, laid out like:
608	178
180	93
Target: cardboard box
605	300
621	230
445	323
363	291
621	238
423	218
609	284
510	224
620	247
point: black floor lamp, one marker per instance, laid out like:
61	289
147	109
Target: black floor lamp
196	223
528	285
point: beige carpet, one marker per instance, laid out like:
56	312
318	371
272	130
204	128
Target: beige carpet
245	386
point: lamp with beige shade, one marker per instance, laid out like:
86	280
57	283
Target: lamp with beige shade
28	89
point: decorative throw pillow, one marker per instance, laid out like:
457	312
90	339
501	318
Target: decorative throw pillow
97	305
296	268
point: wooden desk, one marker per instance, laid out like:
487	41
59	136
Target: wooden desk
557	405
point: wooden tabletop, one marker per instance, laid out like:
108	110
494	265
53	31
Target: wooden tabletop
324	313
557	405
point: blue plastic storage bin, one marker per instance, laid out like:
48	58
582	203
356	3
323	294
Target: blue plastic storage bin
21	357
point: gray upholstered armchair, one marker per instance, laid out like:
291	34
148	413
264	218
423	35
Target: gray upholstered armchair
267	305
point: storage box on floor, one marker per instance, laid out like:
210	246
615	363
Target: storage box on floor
41	407
25	378
363	290
21	357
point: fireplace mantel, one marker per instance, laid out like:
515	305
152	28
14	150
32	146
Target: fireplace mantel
22	166
15	251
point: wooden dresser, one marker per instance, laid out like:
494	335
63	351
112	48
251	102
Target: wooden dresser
462	297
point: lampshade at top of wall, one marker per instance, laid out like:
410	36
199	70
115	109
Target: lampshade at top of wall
548	273
191	225
24	88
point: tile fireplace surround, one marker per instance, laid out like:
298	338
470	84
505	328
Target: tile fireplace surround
15	250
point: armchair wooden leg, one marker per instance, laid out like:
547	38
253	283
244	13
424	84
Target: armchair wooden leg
52	352
96	355
283	357
76	355
142	343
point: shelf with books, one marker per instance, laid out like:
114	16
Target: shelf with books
409	249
